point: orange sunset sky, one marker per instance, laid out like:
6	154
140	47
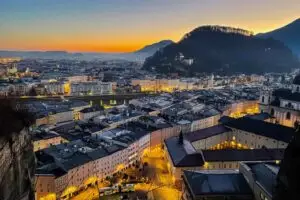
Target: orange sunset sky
127	25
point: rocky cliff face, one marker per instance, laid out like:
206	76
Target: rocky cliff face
17	159
17	165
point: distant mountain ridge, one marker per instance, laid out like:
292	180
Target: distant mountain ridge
152	48
139	55
289	34
222	49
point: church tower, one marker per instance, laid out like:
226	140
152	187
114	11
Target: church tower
265	97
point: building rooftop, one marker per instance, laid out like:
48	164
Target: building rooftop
77	130
265	174
243	155
286	94
207	132
155	122
51	170
275	131
91	109
183	155
76	153
137	127
200	184
75	160
44	135
296	80
260	116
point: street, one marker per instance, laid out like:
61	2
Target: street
160	187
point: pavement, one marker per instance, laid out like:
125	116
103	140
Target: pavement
90	193
160	187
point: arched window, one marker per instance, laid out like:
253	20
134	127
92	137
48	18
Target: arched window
288	115
263	99
272	112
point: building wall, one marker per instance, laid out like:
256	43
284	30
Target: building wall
55	88
256	141
87	116
44	185
157	137
78	175
165	85
280	115
4	90
241	108
144	145
20	89
61	184
41	121
78	78
91	88
240	139
258	191
204	123
62	117
45	143
210	142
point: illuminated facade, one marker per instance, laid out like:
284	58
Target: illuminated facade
9	60
166	85
45	187
40	143
282	104
242	108
55	88
20	89
224	146
91	88
79	165
67	89
57	116
82	78
205	122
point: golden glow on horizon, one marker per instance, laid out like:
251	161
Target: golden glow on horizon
121	41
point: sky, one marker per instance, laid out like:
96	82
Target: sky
127	25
